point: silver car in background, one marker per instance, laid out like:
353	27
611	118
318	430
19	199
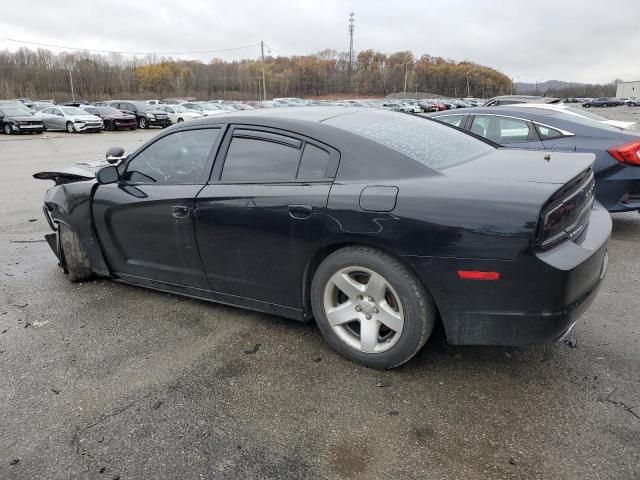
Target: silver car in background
71	119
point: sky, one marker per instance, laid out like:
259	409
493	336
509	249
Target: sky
531	41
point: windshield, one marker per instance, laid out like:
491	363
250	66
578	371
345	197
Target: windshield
210	106
13	112
430	143
108	111
179	109
74	111
584	113
143	107
583	120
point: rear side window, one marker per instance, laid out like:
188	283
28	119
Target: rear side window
314	163
548	133
253	159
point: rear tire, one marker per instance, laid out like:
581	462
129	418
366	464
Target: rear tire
392	306
75	258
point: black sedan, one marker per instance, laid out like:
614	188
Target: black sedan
601	102
375	223
146	115
617	165
13	120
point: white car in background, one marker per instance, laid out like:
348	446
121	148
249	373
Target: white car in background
178	113
71	119
560	107
205	108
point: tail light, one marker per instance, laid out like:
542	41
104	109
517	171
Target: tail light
627	153
566	215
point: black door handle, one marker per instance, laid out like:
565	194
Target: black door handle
300	211
179	211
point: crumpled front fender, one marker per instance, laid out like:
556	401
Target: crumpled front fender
70	204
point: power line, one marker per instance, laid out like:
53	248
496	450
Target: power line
193	52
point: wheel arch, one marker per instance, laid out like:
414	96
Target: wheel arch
326	250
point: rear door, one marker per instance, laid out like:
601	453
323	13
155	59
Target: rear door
260	219
145	222
508	131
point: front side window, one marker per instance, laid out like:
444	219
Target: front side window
178	158
252	159
503	130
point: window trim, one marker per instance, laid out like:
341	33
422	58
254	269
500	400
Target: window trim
531	123
266	133
210	159
565	133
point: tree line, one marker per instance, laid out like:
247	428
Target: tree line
43	74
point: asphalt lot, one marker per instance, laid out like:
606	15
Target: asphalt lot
103	381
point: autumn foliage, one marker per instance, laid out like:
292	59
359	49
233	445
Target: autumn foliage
44	74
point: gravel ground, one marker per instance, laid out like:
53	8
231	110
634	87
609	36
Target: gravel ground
104	381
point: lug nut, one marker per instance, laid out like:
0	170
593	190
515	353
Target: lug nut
370	299
375	310
358	308
368	316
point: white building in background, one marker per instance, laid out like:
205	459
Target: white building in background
628	89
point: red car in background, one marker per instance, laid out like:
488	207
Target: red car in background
113	118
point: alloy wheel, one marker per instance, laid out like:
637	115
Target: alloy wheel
363	309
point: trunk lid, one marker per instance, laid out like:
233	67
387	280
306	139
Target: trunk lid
537	166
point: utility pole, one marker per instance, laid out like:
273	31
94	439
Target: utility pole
264	86
406	71
73	96
352	21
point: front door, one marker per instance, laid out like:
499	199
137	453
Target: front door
145	222
260	220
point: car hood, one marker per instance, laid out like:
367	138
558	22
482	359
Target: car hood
510	164
87	117
121	116
22	118
75	172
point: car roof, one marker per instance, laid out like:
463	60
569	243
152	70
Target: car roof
307	114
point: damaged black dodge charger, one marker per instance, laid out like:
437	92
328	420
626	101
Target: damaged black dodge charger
375	223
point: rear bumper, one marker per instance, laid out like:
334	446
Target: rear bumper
537	299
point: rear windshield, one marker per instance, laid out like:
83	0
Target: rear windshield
430	143
583	120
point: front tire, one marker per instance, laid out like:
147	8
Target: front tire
70	128
75	258
143	123
371	308
180	120
7	129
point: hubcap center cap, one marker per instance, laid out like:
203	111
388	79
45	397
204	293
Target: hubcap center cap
368	307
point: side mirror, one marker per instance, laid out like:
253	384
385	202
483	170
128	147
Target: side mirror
115	155
107	175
